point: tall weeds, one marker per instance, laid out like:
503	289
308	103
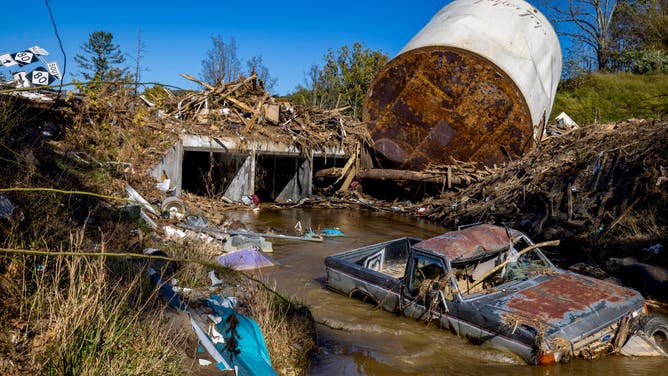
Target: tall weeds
287	327
78	317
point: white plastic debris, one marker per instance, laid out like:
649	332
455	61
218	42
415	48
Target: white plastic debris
565	122
174	233
215	281
164	185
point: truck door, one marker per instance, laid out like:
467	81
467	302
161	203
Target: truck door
422	287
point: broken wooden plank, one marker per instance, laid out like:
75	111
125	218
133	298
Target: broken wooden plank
256	111
353	171
239	103
193	79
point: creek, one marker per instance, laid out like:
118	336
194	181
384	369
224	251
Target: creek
369	341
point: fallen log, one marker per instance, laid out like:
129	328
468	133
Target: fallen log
390	174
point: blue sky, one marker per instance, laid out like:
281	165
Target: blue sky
290	35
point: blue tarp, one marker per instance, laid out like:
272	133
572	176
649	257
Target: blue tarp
249	355
331	233
253	357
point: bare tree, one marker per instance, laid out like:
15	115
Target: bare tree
255	65
141	48
588	22
311	81
221	63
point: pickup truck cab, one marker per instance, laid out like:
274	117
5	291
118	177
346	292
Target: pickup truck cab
492	284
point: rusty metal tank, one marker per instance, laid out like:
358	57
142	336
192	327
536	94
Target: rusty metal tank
477	83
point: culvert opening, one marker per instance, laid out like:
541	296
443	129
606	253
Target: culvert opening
274	172
325	185
209	174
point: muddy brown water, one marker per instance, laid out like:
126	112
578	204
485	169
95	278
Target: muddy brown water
375	342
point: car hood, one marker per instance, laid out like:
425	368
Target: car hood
566	305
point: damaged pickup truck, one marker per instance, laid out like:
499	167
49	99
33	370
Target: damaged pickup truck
492	284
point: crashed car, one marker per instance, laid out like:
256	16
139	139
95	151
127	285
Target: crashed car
492	284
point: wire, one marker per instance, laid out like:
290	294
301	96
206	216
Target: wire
62	50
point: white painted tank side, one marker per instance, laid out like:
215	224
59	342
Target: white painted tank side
512	34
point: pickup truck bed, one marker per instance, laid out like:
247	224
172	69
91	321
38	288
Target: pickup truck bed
375	270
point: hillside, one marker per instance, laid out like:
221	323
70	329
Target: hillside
604	98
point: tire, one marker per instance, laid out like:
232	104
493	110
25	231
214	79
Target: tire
170	204
656	328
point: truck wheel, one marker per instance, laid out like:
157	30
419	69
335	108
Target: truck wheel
656	328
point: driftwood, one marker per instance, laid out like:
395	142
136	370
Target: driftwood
503	264
389	174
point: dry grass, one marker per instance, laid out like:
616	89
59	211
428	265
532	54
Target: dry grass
76	316
288	329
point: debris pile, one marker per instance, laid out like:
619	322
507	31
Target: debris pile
602	183
245	109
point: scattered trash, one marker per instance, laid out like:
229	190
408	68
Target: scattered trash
175	207
215	281
250	200
174	233
655	249
331	233
164	185
197	221
245	259
6	207
247	200
425	210
564	122
234	341
237	242
135	197
163	267
212	230
167	291
204	362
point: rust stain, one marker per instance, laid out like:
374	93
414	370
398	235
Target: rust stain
437	102
469	242
564	294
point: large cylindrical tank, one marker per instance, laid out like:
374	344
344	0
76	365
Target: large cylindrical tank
477	83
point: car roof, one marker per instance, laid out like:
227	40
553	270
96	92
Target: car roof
470	243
